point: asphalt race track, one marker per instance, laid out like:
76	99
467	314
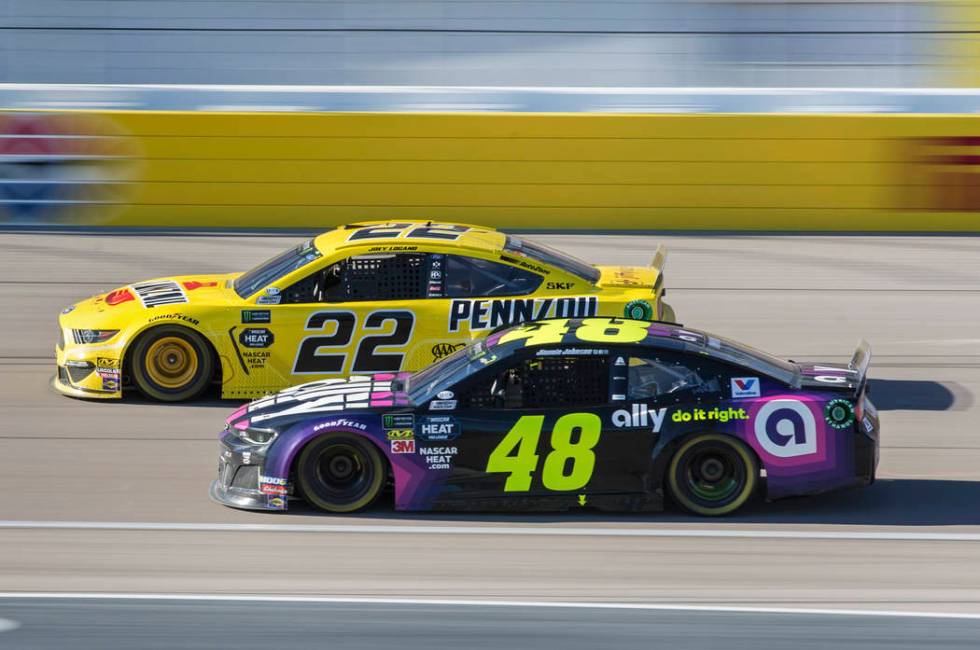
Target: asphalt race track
44	624
112	497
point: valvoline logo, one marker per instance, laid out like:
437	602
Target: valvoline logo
743	387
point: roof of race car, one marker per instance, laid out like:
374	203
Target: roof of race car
412	232
605	330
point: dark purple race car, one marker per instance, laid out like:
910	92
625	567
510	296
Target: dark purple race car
604	413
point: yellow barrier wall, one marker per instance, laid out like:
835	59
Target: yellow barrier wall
727	172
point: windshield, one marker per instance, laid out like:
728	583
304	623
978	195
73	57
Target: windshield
283	264
762	362
448	372
551	257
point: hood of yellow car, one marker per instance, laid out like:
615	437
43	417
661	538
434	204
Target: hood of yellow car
627	276
131	300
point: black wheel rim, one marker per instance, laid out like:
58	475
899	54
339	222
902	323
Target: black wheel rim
712	474
343	473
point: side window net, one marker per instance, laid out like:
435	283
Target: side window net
382	277
543	382
364	277
554	381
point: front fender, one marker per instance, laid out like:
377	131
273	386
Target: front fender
413	482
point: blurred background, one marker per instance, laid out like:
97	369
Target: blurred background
643	115
782	43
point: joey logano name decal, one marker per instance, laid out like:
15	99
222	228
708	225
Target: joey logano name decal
491	314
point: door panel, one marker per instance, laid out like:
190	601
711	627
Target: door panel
541	456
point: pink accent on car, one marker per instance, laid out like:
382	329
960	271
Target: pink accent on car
237	414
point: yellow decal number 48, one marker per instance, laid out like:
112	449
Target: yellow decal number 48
568	466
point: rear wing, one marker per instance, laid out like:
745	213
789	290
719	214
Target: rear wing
659	259
861	360
657	264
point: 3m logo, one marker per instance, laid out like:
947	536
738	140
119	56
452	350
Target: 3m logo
403	446
743	387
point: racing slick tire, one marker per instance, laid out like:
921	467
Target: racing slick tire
712	475
340	472
171	363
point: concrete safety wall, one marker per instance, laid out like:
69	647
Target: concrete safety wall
532	171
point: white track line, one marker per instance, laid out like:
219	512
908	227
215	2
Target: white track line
462	602
388	529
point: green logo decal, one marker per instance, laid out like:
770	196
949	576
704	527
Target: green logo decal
839	413
638	310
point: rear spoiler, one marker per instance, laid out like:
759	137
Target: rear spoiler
861	360
657	264
659	259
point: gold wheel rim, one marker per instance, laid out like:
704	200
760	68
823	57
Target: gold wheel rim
171	362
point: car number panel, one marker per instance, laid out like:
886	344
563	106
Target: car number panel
548	460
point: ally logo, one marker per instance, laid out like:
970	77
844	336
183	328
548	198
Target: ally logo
640	416
786	428
745	387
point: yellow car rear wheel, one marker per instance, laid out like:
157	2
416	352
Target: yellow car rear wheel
712	474
171	364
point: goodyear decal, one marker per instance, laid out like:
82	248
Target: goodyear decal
491	314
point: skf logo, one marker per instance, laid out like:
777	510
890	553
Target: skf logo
743	387
640	416
558	286
403	446
786	428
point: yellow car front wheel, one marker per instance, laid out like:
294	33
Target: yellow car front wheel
171	364
712	475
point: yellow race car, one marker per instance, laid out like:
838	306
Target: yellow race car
374	297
